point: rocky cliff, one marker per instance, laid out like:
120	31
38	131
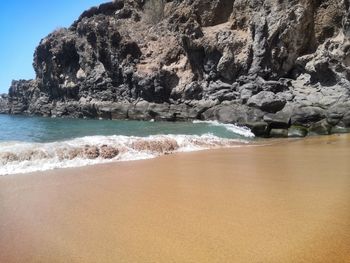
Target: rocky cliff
279	67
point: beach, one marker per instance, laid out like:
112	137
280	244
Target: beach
288	201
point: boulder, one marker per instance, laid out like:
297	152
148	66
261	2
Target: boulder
307	115
258	128
337	112
297	132
339	128
278	133
320	128
234	113
267	101
278	120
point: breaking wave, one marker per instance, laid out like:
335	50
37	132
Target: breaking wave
21	157
243	131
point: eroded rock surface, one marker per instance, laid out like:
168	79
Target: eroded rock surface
255	63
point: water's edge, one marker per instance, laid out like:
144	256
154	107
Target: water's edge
39	144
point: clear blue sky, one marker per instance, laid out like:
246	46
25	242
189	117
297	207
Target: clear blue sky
23	23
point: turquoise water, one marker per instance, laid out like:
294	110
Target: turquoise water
29	144
38	129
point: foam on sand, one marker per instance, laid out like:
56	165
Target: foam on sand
20	157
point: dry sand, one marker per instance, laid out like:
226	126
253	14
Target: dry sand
289	202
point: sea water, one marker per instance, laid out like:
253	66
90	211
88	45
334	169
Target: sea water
29	144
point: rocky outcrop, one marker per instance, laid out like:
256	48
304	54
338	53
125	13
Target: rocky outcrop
281	68
3	103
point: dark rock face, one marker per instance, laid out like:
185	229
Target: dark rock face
3	103
270	65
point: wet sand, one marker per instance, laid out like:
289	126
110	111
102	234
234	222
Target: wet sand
288	202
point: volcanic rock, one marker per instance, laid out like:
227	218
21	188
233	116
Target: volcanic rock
241	59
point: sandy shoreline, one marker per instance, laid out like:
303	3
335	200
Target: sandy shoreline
288	202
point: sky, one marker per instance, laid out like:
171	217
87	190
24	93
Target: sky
23	23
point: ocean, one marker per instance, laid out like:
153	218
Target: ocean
29	144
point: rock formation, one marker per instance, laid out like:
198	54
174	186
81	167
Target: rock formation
279	67
4	103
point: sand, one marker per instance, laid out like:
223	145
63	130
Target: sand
287	202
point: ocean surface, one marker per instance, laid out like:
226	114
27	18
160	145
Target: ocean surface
29	144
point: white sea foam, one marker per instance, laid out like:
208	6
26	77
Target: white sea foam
20	157
243	131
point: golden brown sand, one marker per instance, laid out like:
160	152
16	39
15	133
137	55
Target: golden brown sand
288	202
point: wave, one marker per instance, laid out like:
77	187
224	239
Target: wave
21	157
240	130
